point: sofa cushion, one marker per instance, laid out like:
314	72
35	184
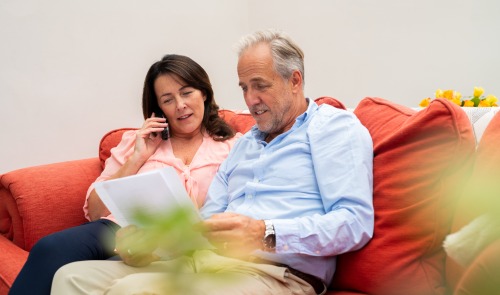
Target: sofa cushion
331	101
30	193
241	122
109	141
482	193
419	160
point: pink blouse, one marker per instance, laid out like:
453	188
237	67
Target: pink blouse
196	176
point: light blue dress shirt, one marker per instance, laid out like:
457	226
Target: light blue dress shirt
314	182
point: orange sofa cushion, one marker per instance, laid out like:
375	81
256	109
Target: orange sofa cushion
331	101
419	158
109	141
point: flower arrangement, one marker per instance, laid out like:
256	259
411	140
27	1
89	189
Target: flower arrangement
476	100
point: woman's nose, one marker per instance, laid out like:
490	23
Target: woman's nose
180	103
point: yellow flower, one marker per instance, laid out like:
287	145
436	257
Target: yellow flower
476	100
468	103
425	102
448	94
478	91
456	98
456	101
439	93
483	103
491	100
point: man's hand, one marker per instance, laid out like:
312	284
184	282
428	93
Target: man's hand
237	235
135	246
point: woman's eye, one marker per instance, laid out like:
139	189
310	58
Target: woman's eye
187	93
168	100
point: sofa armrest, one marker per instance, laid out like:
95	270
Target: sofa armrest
40	200
13	259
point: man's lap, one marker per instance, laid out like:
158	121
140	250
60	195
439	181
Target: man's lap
203	273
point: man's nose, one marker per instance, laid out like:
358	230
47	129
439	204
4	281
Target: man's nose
251	98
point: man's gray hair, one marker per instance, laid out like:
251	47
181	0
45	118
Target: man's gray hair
287	55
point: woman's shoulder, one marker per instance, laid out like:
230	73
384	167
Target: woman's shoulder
126	143
128	137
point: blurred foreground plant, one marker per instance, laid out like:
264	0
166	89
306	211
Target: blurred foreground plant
172	236
173	232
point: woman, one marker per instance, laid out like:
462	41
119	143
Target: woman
177	94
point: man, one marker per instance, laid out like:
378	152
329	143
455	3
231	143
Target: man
295	192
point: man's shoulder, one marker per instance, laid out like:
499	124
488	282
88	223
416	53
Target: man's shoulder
327	113
329	109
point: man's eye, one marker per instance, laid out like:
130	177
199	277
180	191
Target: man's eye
261	86
244	89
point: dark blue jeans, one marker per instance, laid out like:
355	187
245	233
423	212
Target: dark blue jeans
90	241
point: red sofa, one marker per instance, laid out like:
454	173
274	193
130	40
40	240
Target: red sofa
421	163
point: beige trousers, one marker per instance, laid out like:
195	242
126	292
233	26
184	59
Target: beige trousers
202	273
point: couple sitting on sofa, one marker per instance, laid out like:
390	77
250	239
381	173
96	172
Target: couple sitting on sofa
293	193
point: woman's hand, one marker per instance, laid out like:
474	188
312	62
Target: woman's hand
148	138
135	246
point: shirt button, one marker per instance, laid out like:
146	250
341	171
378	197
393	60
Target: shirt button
250	196
285	247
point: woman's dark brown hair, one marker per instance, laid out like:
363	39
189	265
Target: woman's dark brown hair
194	76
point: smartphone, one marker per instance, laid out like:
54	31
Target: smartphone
165	133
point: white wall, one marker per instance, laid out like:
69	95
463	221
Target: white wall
72	70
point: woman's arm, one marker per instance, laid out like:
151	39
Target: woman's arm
126	162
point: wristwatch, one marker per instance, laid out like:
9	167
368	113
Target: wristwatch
269	240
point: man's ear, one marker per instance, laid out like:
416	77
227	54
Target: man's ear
296	81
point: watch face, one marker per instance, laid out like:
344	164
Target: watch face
270	241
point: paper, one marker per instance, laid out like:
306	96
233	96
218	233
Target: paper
154	192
